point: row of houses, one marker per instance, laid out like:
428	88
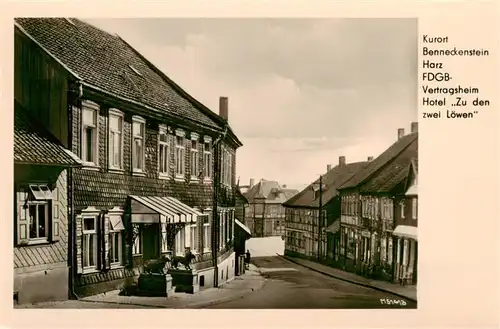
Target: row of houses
362	216
114	164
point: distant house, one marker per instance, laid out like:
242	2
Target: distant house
368	208
42	208
149	152
265	215
302	214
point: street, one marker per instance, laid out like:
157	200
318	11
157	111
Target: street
291	286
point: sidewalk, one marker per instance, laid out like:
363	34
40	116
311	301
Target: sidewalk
409	292
237	288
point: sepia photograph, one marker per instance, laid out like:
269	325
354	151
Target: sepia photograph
215	163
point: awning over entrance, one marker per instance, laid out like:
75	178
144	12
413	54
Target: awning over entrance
155	209
406	231
334	227
243	226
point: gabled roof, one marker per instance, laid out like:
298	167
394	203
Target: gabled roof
334	178
106	62
269	192
35	145
381	161
393	173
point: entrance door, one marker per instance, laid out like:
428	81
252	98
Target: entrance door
259	227
151	242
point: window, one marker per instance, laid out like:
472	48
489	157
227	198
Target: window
89	150
116	228
180	239
194	238
163	152
38	213
89	242
137	247
115	143
414	208
207	159
195	160
179	155
35	215
402	205
138	141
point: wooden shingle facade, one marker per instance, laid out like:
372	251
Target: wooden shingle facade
147	150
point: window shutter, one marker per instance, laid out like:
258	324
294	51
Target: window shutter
57	206
22	218
79	244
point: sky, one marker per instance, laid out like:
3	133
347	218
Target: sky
302	92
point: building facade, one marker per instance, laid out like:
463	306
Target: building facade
265	214
308	235
405	232
155	160
369	206
41	165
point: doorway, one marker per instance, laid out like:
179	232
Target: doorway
151	241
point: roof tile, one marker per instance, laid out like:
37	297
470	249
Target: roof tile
105	61
33	144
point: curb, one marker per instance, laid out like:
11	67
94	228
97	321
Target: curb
189	305
350	281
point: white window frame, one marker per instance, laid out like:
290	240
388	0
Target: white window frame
142	122
414	205
207	159
119	115
194	157
193	232
180	242
113	213
402	208
180	163
48	221
166	146
94	107
85	234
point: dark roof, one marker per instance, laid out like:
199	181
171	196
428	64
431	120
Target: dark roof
107	62
395	172
334	178
381	161
33	144
270	191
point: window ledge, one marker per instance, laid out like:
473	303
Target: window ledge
116	266
179	178
207	181
163	176
116	170
90	270
90	166
33	243
138	173
194	180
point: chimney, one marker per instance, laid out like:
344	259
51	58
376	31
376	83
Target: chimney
414	127
252	182
342	160
401	132
223	108
328	167
370	158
